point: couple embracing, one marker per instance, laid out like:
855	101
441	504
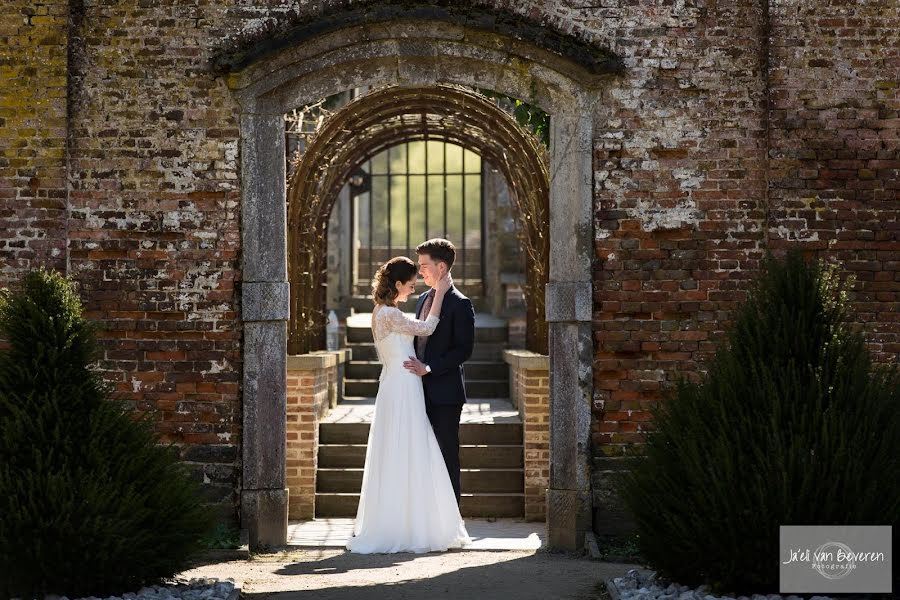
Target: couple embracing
411	484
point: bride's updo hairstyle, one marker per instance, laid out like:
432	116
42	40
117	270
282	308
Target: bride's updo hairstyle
384	286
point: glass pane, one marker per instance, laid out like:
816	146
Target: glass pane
398	159
416	151
398	215
472	161
380	162
473	211
435	199
379	211
454	158
454	207
435	157
417	232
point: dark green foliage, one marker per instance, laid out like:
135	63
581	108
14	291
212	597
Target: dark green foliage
620	548
791	426
90	504
222	537
527	115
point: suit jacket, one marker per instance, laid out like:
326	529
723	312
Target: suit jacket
449	346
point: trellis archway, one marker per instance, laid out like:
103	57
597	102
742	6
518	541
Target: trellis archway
380	120
387	45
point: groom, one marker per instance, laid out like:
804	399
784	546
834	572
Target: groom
440	356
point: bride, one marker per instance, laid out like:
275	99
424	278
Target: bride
407	503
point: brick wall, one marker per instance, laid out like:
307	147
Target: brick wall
680	180
313	384
757	125
307	398
834	173
723	108
33	81
529	390
153	230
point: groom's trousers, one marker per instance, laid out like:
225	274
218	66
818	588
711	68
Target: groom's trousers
445	423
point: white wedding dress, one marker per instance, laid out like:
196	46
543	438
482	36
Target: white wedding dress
407	503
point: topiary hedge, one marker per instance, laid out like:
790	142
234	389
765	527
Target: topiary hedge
90	503
792	425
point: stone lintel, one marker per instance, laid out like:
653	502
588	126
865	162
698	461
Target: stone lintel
265	300
586	59
264	514
315	361
569	301
526	360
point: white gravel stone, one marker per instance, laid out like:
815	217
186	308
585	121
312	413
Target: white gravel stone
195	589
637	586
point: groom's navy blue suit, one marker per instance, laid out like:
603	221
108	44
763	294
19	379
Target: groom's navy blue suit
448	347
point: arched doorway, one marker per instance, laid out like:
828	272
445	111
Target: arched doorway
446	46
380	120
505	445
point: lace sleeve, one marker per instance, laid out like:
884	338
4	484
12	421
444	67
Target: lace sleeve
393	320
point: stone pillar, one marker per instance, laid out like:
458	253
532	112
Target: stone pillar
569	307
529	381
265	311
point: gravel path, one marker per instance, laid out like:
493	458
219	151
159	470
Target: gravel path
337	575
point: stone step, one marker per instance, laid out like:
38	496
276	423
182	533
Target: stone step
482	334
482	352
480	370
474	388
340	456
493	481
471	505
471	434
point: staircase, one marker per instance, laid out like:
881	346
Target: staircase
487	376
491	451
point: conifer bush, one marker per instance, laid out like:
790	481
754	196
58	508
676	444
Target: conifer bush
90	503
791	425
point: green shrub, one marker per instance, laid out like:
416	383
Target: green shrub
222	537
791	426
90	504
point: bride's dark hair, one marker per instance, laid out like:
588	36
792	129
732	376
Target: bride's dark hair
384	286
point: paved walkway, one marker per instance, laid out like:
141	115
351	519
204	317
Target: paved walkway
486	534
330	574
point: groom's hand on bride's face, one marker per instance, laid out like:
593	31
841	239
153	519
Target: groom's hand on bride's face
414	365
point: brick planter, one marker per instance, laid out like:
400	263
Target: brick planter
313	388
529	391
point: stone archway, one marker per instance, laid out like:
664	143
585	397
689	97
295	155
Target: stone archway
443	46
